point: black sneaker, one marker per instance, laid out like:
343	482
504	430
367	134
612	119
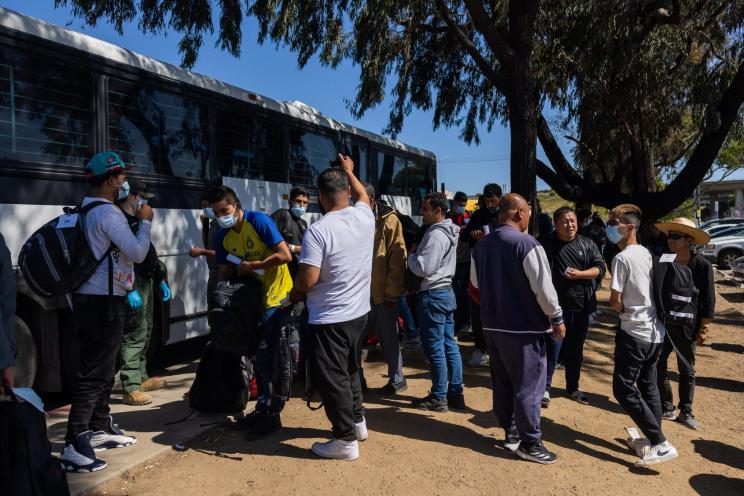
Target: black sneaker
688	420
431	403
456	401
511	440
249	421
536	453
392	389
268	425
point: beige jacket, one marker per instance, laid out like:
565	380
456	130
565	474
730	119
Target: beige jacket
388	256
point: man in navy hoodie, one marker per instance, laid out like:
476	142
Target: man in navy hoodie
519	306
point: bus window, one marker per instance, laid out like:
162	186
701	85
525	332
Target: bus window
158	131
248	147
45	110
391	174
309	155
359	155
418	182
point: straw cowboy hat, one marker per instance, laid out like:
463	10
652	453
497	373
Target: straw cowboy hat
686	227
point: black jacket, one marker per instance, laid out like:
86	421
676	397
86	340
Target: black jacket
150	267
292	229
702	275
575	295
480	218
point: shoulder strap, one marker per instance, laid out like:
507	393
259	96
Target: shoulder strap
84	209
658	272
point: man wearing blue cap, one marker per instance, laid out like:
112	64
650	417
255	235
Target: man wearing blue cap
100	309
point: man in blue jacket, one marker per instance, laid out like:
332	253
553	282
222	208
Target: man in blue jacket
519	306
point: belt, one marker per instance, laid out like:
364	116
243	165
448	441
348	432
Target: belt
441	288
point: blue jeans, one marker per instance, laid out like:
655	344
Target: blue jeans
405	311
267	348
436	315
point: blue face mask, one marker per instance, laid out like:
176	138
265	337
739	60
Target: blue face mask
208	212
123	190
613	234
298	211
459	209
227	221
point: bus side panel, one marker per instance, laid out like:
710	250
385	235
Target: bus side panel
18	222
174	233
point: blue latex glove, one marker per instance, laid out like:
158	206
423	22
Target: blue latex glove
165	290
134	299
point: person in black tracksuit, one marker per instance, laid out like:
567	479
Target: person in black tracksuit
575	263
681	233
292	226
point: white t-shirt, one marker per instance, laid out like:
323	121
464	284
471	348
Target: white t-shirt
632	276
340	244
106	224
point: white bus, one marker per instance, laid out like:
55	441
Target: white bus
65	96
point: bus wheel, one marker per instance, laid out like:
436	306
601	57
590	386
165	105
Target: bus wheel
26	360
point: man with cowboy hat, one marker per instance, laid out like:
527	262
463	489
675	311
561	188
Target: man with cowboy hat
681	234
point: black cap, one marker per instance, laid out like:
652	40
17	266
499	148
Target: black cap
137	187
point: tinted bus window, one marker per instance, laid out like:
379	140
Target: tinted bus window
419	183
391	174
361	167
157	131
309	155
249	148
45	111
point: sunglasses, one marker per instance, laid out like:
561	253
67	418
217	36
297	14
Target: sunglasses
676	236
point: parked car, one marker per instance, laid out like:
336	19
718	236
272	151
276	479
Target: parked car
714	230
730	231
716	222
723	251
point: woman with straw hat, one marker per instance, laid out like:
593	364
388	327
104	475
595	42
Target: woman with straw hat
681	234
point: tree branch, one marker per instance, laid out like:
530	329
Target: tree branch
496	79
484	25
554	153
705	152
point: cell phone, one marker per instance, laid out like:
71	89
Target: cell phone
567	272
233	259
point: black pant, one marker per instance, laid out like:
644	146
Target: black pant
635	363
571	348
99	324
460	283
477	324
336	373
686	377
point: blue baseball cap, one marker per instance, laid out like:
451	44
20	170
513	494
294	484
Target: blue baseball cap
104	163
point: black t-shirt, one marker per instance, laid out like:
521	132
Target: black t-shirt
574	295
150	266
481	217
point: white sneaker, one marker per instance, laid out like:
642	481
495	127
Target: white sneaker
478	359
361	430
337	449
640	445
80	457
114	437
657	454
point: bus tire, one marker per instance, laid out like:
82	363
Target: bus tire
27	359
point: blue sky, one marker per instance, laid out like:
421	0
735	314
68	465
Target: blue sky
274	73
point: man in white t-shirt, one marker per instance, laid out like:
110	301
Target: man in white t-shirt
335	273
100	308
639	340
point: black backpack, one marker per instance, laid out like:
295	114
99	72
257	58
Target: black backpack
235	315
222	382
55	261
287	357
27	466
676	296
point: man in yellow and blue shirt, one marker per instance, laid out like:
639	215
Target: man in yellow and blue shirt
250	245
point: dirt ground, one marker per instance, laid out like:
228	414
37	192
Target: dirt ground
416	452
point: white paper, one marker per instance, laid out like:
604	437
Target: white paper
668	257
67	221
233	259
30	396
